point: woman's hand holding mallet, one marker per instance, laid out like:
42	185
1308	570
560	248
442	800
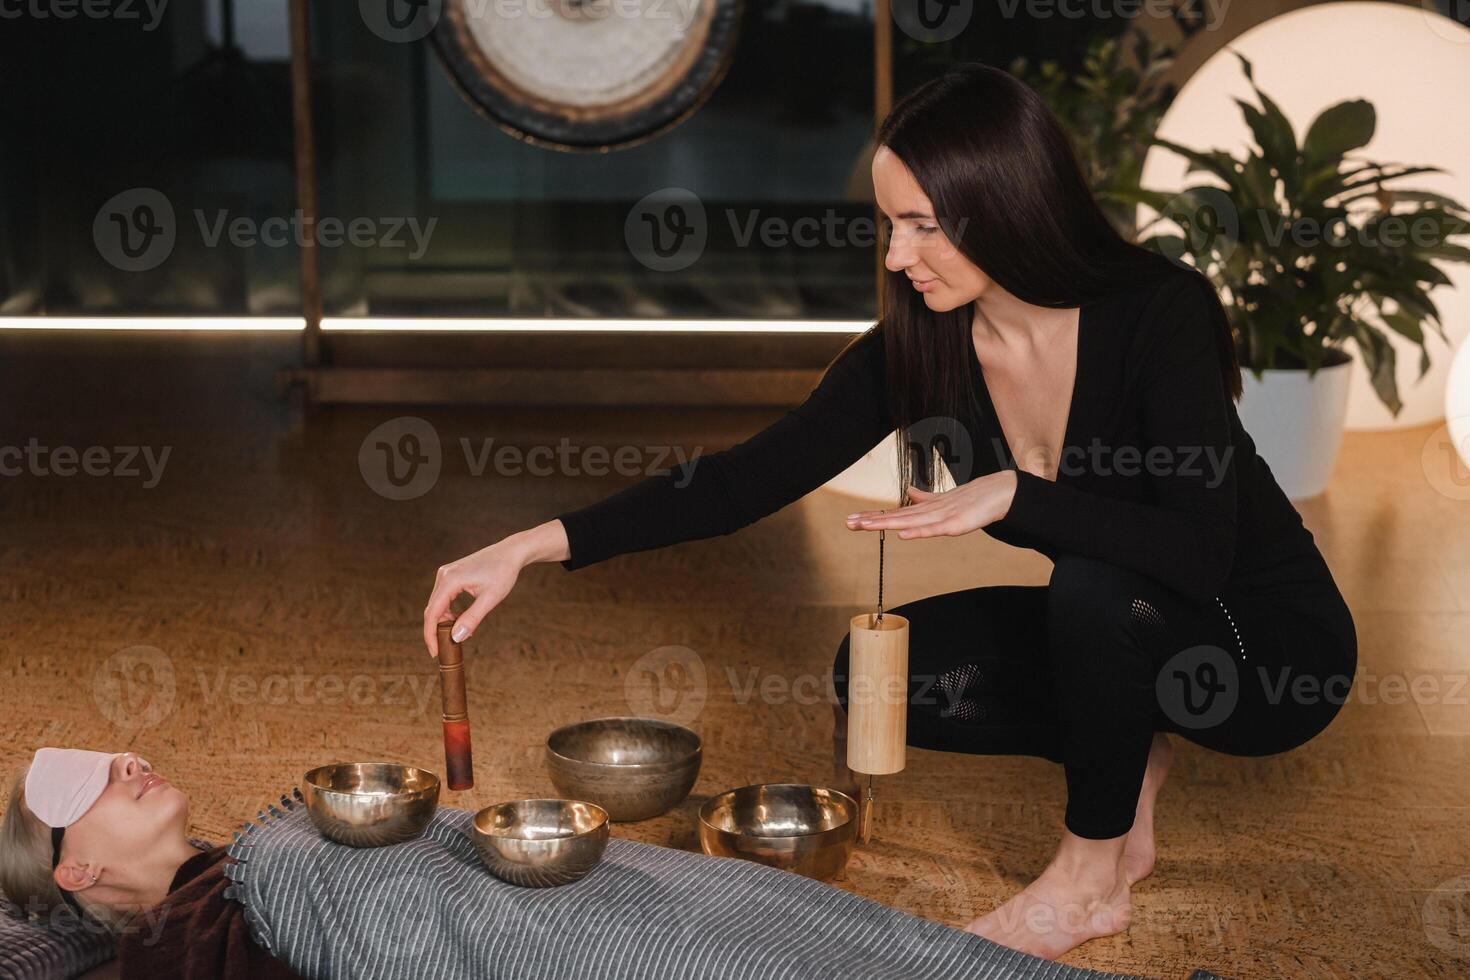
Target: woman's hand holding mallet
488	575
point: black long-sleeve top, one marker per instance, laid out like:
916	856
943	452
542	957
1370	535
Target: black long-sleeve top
1201	514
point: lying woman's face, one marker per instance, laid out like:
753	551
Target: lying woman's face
137	810
917	245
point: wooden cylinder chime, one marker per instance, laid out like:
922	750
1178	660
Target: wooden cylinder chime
877	696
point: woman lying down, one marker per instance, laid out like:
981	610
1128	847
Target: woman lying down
105	834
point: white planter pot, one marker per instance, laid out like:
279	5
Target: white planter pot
1297	422
1457	403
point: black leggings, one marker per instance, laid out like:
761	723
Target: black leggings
1084	670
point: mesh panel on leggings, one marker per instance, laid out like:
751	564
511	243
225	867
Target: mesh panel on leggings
1146	615
956	684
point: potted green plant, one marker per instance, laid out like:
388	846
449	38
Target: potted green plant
1313	251
1110	108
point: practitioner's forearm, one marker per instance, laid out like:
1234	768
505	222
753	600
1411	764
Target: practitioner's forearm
544	542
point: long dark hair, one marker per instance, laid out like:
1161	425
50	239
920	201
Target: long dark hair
1009	194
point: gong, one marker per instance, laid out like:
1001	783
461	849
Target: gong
587	74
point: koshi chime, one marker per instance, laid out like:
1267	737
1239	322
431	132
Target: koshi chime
877	696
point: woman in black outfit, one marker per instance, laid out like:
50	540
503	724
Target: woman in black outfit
1080	390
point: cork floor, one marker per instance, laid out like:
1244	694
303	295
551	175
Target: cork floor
254	611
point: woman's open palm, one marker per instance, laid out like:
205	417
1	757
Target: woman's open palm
982	501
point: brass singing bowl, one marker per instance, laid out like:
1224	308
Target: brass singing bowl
370	804
540	843
792	826
634	768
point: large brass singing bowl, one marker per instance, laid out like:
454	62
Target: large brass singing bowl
370	804
792	826
540	843
634	768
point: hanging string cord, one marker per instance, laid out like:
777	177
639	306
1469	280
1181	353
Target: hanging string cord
880	575
879	618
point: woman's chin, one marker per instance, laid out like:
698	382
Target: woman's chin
173	803
938	301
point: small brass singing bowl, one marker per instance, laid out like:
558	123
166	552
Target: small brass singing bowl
370	804
634	768
541	843
806	829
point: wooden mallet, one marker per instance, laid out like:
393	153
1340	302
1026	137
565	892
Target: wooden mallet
458	764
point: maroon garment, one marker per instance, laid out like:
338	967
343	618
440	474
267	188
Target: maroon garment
196	933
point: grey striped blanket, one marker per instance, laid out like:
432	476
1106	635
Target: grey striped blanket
428	908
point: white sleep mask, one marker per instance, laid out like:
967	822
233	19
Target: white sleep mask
62	784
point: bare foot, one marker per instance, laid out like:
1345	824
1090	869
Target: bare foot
1139	851
1081	895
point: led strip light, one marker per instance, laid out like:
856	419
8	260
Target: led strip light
436	325
588	325
159	323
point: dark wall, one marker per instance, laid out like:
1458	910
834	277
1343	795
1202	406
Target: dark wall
95	108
